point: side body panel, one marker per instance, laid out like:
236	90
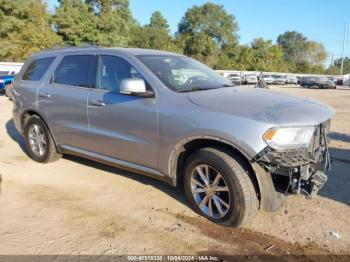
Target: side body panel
65	110
126	127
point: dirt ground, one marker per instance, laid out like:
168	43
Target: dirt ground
76	206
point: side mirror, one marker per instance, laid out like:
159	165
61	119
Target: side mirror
135	87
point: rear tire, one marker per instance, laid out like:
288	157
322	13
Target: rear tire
39	142
240	199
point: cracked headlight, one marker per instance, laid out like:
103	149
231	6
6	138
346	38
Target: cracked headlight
289	137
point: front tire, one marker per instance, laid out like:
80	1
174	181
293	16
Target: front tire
39	142
218	188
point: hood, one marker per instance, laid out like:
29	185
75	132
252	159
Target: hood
263	105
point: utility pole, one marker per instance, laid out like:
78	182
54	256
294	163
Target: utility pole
342	54
332	59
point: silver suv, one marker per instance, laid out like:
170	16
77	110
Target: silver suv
236	150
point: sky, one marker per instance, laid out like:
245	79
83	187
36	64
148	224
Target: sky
320	20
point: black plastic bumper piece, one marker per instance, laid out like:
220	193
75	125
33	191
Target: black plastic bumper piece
270	199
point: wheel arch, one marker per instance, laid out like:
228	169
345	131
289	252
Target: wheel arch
29	113
184	149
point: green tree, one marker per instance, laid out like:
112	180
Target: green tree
315	53
75	22
229	57
203	48
245	56
261	55
155	35
302	55
294	46
159	32
24	29
334	69
158	22
206	30
266	56
114	21
103	22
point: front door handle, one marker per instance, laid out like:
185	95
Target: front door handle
97	103
45	95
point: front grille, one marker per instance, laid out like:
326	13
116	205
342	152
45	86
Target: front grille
291	158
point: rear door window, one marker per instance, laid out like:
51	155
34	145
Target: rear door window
73	71
37	69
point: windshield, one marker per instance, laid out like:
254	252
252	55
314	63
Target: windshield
182	74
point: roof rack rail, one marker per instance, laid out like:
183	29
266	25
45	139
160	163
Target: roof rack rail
81	45
64	46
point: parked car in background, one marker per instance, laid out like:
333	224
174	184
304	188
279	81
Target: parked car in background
235	78
338	80
268	79
5	82
299	79
279	80
291	80
333	79
305	80
124	107
250	79
325	83
318	82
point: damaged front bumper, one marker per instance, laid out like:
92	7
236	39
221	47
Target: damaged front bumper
300	171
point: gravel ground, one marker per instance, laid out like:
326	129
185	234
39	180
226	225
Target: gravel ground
76	206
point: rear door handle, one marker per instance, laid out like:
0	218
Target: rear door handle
97	103
44	95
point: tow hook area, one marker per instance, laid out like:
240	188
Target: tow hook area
310	188
317	182
304	180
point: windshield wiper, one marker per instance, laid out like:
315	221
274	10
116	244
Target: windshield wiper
199	88
196	88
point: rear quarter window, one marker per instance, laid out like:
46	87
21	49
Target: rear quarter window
37	69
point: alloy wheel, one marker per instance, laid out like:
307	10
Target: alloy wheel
210	191
37	140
